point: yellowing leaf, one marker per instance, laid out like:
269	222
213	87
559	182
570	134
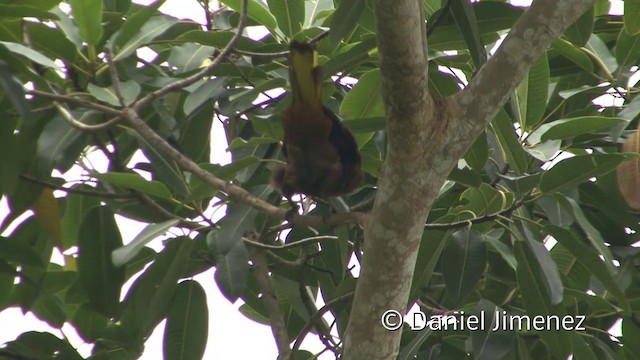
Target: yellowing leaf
629	172
48	212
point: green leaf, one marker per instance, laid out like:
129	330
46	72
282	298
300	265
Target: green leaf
465	18
592	234
164	168
22	11
510	146
135	181
30	54
289	14
101	280
591	261
51	310
124	254
345	19
491	16
410	350
548	268
87	15
256	11
573	54
631	10
76	207
129	89
557	214
466	256
489	344
364	99
580	348
600	48
314	11
478	153
89	323
572	127
580	31
59	145
431	246
13	89
190	56
231	255
537	302
14	251
573	171
52	41
493	239
151	295
627	48
185	334
134	23
532	93
152	28
41	345
545	151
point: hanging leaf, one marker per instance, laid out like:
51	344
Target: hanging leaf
629	172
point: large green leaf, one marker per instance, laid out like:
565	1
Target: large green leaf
100	278
550	276
151	29
627	49
256	11
364	99
150	297
133	24
185	334
508	141
572	127
289	14
41	345
124	254
87	15
580	31
129	91
30	54
591	260
345	18
532	94
537	302
465	255
572	171
631	10
232	257
487	343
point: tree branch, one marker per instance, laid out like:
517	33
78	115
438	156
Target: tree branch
75	101
529	38
276	318
406	187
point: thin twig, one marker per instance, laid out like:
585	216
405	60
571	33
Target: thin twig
310	240
115	80
497	215
75	101
270	300
310	324
54	186
202	73
79	125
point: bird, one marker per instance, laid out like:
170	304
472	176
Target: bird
322	155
